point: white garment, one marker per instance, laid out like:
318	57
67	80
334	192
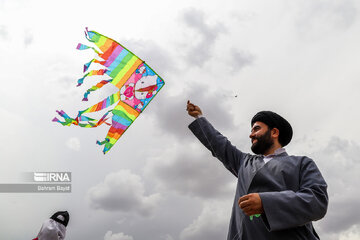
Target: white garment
52	230
271	156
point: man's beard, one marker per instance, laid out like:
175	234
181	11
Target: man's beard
264	142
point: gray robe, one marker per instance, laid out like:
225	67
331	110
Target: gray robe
292	189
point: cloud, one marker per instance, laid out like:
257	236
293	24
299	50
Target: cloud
321	17
211	224
340	166
123	191
204	39
73	143
240	59
153	54
28	38
190	171
171	116
117	236
3	32
168	237
352	233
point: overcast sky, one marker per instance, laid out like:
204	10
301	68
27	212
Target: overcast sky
299	58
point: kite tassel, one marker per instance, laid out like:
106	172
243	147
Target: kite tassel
68	120
55	119
94	88
81	80
99	72
103	142
87	65
81	46
87	34
106	148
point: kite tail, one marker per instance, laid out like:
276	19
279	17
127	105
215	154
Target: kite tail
67	120
81	46
87	65
98	72
110	100
94	88
103	142
123	117
91	123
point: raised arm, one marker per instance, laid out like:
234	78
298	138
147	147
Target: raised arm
213	140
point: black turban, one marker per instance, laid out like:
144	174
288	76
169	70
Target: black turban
61	217
274	120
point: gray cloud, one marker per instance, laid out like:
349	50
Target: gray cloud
340	165
117	236
122	191
321	17
171	116
73	143
190	171
212	223
3	32
28	38
153	54
241	59
204	39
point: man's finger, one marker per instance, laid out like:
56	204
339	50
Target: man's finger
243	198
248	209
244	204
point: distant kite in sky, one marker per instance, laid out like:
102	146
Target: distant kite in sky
137	83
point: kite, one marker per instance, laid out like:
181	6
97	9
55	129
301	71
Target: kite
137	85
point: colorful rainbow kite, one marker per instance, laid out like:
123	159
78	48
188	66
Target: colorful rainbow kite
137	83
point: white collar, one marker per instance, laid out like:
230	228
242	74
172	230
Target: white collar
271	156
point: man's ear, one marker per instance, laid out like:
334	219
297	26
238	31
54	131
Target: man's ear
275	133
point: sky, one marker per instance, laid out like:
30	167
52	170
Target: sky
233	58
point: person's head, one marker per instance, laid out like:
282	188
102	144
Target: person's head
269	131
61	217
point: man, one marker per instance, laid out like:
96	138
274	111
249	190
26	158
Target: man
286	193
55	227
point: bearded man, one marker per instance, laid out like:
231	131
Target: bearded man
286	193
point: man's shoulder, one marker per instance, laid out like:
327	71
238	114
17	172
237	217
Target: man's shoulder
301	159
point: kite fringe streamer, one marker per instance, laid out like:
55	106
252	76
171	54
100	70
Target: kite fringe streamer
98	72
103	142
107	102
81	46
87	65
94	88
79	119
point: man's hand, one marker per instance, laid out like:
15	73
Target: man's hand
193	110
251	204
